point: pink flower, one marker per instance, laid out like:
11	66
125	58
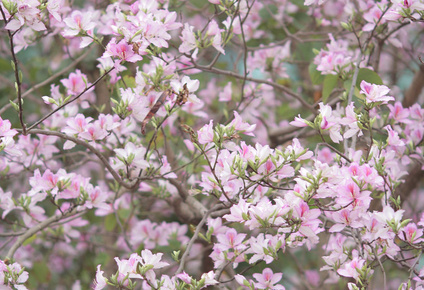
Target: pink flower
93	132
96	197
345	217
393	138
334	60
299	122
375	93
209	278
76	83
100	282
206	133
5	129
350	269
131	156
186	278
213	30
54	7
188	40
79	22
373	17
77	124
239	125
268	279
264	248
122	50
389	217
409	4
26	13
330	122
239	212
231	240
411	234
350	193
351	120
399	114
226	95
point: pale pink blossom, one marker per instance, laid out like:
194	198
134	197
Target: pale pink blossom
79	22
299	122
101	281
27	12
350	268
206	133
411	234
375	93
393	138
268	280
239	125
226	94
188	40
131	156
121	50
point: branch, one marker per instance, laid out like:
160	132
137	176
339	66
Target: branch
37	228
17	77
93	150
70	101
414	90
196	207
12	234
194	237
260	81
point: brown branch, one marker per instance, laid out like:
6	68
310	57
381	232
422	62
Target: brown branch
70	101
260	81
93	150
35	229
415	89
17	76
194	238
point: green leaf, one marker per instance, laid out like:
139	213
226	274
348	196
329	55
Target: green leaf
29	240
129	81
316	77
347	84
330	82
110	222
369	76
41	272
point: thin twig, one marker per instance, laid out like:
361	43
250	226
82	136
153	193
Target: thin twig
93	150
35	229
194	238
70	101
260	81
17	77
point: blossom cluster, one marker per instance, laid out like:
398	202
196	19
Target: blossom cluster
165	145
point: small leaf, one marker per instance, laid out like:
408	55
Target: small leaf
29	240
316	77
110	222
129	81
369	76
41	272
330	82
347	84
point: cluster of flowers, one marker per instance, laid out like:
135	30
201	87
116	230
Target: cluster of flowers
273	200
